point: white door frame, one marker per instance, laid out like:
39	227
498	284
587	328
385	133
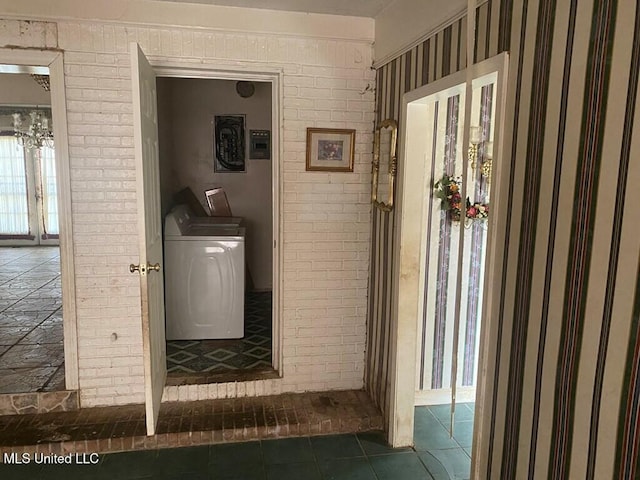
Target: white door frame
412	190
274	76
54	60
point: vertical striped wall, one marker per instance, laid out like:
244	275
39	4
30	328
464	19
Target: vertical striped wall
566	395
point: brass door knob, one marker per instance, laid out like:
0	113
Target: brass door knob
143	269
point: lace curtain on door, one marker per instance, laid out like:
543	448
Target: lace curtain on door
14	190
49	192
14	211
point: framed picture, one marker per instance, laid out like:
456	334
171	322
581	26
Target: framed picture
330	149
229	143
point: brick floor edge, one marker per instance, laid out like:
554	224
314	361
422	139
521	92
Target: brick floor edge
116	429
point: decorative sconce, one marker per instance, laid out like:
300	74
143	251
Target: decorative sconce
475	139
485	169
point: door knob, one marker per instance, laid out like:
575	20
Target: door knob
144	268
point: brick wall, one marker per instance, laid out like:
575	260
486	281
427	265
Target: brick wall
325	216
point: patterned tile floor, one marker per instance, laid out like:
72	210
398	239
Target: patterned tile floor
353	456
31	349
252	352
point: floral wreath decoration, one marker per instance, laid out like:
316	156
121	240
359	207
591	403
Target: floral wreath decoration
447	189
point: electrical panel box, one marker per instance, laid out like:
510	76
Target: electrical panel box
260	144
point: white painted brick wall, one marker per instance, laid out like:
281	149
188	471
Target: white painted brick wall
326	216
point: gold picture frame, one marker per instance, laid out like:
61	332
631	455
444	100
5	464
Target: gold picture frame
330	149
383	178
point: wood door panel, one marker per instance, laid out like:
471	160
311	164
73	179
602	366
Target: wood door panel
150	232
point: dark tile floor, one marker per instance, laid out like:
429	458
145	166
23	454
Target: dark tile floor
31	347
361	456
252	352
445	457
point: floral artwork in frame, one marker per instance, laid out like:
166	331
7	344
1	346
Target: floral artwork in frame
330	149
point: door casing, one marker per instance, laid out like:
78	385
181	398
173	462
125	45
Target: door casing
164	68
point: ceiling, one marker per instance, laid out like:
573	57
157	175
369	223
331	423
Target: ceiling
358	8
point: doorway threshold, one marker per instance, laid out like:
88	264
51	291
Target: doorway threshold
204	378
122	428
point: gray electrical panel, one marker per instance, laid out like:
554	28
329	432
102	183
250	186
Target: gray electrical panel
260	144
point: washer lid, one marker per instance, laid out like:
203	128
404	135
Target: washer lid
217	221
201	232
181	218
176	222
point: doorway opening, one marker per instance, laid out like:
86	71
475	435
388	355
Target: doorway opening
216	176
453	269
31	331
453	169
37	342
221	256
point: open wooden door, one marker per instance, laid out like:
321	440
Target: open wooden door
145	122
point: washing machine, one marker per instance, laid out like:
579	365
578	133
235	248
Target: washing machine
204	279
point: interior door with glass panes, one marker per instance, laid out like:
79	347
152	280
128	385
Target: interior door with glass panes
456	241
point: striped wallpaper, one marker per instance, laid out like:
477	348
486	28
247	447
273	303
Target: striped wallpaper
566	392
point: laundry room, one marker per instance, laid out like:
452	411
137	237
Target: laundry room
216	201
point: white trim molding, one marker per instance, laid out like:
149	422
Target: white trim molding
397	52
275	77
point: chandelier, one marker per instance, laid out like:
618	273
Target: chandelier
37	134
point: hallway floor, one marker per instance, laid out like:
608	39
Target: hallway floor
31	348
445	457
